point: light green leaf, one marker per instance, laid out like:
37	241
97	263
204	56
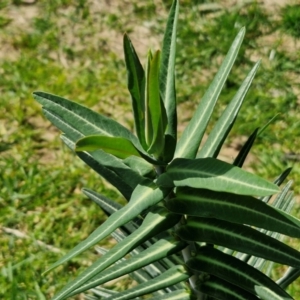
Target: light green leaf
221	289
116	146
140	166
266	294
233	208
110	168
217	136
216	175
233	270
156	221
240	238
170	277
144	196
156	112
136	87
189	142
167	75
157	251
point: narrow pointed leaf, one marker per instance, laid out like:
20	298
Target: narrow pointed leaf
136	86
167	74
233	208
117	146
157	113
189	142
216	175
221	289
156	221
241	157
108	205
231	269
176	295
170	277
261	130
240	238
160	249
83	119
217	136
289	276
143	197
266	294
72	134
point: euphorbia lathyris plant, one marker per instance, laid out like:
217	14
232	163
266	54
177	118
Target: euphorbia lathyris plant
194	227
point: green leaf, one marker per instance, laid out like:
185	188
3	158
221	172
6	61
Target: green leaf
233	208
216	175
136	87
241	157
108	205
221	289
116	146
233	270
169	278
217	136
140	166
189	142
82	119
155	222
144	196
181	294
110	167
240	238
167	76
156	112
157	251
289	276
266	294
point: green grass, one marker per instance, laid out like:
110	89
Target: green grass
74	49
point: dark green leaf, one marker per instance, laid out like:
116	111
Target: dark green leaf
231	269
233	208
240	238
213	174
136	87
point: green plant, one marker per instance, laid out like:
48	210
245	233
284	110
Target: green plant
291	19
190	217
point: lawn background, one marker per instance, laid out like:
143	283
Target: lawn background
74	49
